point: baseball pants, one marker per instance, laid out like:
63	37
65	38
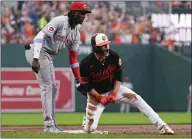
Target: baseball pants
124	95
47	83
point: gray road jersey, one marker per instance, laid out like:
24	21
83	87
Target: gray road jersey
59	35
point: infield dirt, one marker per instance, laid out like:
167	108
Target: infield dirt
124	129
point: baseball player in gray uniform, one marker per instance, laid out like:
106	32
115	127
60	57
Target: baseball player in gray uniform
61	32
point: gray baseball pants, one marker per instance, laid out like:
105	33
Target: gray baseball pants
47	83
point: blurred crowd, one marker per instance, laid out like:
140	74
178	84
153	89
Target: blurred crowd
21	24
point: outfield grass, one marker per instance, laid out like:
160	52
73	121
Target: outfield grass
19	119
61	135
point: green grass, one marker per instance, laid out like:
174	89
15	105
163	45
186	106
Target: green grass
32	119
60	135
20	119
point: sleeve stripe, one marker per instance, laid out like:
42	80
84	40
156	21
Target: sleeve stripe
39	40
74	65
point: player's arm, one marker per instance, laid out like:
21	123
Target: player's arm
73	60
119	70
118	80
118	75
84	79
116	86
48	30
38	43
86	86
73	56
52	26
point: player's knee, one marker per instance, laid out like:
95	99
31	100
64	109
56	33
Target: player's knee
130	96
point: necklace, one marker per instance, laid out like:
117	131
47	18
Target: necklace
102	62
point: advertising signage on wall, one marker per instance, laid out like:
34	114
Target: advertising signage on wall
20	91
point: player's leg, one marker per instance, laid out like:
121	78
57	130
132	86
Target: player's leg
126	95
45	82
54	91
127	108
54	87
93	112
189	105
122	107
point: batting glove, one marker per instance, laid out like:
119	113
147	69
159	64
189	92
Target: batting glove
103	100
111	97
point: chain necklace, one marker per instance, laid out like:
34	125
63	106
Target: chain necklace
103	61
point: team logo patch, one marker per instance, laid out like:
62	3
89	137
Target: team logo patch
51	28
85	6
104	38
120	62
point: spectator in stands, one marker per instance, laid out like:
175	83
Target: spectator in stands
29	31
111	18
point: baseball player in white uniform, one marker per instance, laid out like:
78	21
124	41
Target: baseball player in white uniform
61	32
101	77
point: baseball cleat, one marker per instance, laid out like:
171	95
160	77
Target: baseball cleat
53	129
166	130
84	121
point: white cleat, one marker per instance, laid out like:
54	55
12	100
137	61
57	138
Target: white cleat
166	130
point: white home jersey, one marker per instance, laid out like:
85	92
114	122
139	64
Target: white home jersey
59	35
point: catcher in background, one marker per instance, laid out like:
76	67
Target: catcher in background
100	81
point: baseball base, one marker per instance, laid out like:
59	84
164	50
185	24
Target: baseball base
83	132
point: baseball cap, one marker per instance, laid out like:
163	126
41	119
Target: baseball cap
99	39
79	6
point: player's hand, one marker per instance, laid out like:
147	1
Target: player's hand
79	87
77	83
103	100
111	97
35	65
